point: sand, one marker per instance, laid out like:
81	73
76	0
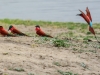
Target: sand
24	56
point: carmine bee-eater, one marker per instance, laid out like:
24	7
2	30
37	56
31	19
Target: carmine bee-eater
16	31
87	17
3	32
40	32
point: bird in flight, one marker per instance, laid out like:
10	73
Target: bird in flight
87	17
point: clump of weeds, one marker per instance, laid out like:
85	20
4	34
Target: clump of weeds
66	73
60	43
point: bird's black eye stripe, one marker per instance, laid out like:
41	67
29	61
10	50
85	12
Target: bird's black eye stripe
37	26
10	27
0	26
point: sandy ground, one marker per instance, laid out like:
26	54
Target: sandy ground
24	56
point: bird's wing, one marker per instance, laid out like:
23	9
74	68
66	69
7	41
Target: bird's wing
41	33
84	16
5	33
88	14
18	32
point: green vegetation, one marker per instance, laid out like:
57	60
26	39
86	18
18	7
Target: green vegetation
84	65
66	73
31	74
59	43
17	69
57	63
76	36
69	25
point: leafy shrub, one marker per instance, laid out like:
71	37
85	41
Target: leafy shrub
59	43
88	33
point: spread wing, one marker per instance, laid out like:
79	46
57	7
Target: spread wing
88	14
84	17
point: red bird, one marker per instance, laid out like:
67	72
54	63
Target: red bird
3	32
40	32
16	31
87	17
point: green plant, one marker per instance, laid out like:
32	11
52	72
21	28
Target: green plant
83	25
70	33
66	73
81	51
88	33
56	63
19	69
84	65
46	38
31	74
74	49
85	38
59	43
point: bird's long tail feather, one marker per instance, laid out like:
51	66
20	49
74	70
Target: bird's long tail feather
93	32
49	36
97	39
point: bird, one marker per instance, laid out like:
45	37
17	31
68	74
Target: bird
40	32
3	32
16	31
87	17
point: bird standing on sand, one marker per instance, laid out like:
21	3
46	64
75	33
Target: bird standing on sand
3	32
40	32
16	31
87	17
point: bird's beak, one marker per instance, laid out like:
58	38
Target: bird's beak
78	15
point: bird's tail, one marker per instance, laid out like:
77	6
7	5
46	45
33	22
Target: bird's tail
93	32
29	35
97	39
49	36
22	34
26	35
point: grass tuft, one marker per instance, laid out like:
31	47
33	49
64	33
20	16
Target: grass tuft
59	43
66	73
